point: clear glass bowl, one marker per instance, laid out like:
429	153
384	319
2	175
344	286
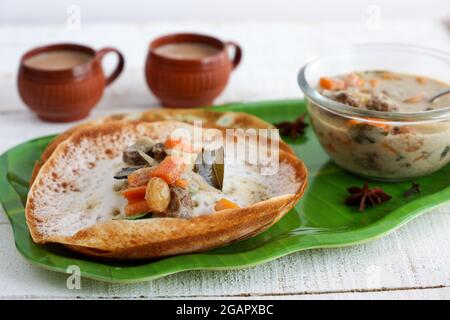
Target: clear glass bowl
401	146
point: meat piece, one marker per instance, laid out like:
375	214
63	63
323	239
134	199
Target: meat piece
348	99
366	101
369	160
131	154
366	134
157	152
377	104
401	130
180	205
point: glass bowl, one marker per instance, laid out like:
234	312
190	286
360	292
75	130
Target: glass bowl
401	146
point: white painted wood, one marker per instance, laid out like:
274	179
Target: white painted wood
410	263
387	294
20	11
414	257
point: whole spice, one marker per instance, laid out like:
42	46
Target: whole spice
210	166
415	188
365	197
293	129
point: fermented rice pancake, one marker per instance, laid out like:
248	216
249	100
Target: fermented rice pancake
83	198
208	119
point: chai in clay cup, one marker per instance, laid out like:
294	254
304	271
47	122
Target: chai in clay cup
190	82
63	94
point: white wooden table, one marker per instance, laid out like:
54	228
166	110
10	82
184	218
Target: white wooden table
413	262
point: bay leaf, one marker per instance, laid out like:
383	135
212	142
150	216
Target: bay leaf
210	166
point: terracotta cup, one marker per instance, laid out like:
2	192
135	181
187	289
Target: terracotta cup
190	82
64	95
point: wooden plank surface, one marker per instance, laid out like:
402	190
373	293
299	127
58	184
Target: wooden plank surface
413	262
415	257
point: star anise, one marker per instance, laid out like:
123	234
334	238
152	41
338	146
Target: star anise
293	129
415	188
366	197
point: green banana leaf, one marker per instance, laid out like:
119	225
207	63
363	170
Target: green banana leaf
319	220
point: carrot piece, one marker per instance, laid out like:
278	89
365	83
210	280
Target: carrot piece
361	82
170	169
374	83
139	177
370	121
224	204
386	75
331	84
353	80
182	183
134	194
390	149
352	122
136	207
421	80
178	144
414	99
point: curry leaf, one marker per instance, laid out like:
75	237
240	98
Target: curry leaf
135	217
124	172
210	166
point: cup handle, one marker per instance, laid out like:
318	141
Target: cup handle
237	53
120	64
